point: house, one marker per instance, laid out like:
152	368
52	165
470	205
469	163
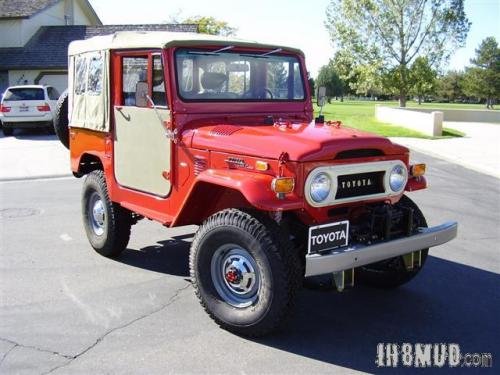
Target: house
35	34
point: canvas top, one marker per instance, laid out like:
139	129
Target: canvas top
162	39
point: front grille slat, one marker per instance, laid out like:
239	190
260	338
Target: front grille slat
360	184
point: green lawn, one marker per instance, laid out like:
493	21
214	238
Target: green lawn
361	115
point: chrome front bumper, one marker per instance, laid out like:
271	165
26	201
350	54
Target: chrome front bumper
359	255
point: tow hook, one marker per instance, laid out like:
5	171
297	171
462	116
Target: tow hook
343	279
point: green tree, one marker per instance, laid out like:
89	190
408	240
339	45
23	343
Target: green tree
422	78
483	79
397	32
368	79
345	66
450	86
211	25
329	78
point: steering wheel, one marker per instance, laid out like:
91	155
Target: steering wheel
267	91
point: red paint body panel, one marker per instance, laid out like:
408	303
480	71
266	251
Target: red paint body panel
303	142
210	135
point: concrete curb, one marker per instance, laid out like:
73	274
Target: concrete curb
41	177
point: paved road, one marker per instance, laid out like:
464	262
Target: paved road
64	309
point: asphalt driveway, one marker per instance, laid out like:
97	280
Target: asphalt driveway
65	309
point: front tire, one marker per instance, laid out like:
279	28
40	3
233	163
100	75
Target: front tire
392	273
244	272
107	224
7	131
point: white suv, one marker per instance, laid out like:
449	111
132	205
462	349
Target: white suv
30	106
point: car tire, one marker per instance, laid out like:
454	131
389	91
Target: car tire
7	131
392	273
244	271
61	119
107	224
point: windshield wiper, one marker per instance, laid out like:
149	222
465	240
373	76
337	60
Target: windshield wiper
271	52
210	53
263	55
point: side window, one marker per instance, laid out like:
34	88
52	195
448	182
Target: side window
80	74
94	83
159	94
134	70
53	93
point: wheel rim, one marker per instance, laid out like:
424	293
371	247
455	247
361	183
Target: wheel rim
96	214
235	275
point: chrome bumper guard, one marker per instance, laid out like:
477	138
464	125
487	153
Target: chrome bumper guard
359	255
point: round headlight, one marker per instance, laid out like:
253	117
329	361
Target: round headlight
320	187
398	177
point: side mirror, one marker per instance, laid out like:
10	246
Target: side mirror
321	97
141	93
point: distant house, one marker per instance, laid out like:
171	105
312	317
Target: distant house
35	34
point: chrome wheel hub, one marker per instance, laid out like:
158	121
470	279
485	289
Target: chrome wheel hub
97	215
235	275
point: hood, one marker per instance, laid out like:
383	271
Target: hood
302	141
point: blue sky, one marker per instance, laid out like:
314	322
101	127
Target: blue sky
298	23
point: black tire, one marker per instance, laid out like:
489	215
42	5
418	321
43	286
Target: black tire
392	273
270	254
7	131
108	235
61	119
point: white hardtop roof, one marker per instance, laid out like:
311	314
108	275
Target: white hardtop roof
161	39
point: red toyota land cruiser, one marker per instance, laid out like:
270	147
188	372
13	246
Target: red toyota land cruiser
192	129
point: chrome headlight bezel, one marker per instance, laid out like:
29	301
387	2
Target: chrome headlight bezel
320	190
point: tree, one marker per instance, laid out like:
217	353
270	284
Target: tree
211	25
344	65
483	79
450	86
397	32
329	78
368	80
422	78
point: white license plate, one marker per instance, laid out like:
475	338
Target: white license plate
328	236
24	109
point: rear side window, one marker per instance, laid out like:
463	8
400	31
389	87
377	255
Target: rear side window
24	94
53	93
88	73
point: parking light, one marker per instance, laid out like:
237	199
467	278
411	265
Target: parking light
4	109
283	185
417	170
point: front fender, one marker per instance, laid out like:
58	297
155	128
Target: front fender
255	187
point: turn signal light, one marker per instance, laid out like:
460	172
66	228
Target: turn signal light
43	108
261	165
417	170
283	185
4	108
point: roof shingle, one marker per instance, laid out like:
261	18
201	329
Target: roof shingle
23	8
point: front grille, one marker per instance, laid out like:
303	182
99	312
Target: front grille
360	184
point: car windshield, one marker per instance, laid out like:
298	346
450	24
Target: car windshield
230	76
28	93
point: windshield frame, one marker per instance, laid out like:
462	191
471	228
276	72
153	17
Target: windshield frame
259	53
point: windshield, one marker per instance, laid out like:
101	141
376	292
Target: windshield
223	76
23	94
